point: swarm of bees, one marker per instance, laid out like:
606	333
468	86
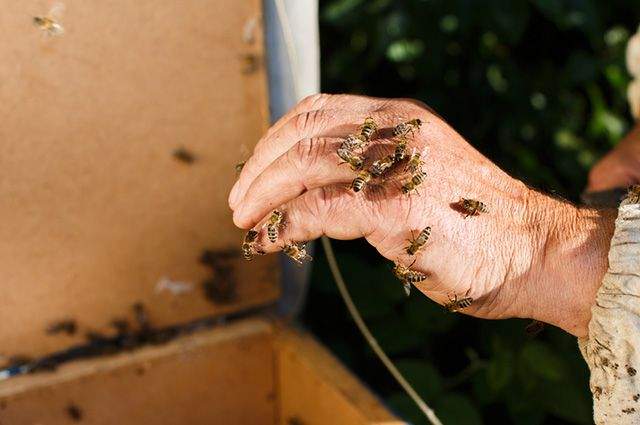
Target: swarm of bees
352	152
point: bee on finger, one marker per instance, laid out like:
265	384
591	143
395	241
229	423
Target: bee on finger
472	207
401	150
405	128
250	245
633	194
274	223
381	165
355	161
297	251
359	183
456	304
416	180
354	142
416	243
368	129
407	276
415	163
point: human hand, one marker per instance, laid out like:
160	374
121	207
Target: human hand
620	167
528	256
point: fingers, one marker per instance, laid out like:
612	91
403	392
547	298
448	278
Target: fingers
309	164
329	210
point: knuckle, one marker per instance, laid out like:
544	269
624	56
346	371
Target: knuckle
305	121
314	101
306	154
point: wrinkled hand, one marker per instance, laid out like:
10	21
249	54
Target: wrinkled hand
620	167
528	256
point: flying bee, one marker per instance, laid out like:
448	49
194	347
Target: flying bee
633	195
401	150
250	245
472	207
273	225
381	165
402	129
360	181
415	163
355	161
416	180
353	142
368	128
297	251
407	276
49	23
456	304
415	244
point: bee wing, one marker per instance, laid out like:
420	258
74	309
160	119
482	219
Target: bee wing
57	10
407	288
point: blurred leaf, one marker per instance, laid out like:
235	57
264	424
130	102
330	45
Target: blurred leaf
457	409
541	359
405	50
500	370
395	336
338	9
423	314
422	376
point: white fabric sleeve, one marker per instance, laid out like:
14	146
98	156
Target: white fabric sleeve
612	348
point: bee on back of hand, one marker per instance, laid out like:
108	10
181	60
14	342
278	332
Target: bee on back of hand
416	180
633	194
416	243
273	225
355	161
415	163
368	129
401	150
405	128
456	304
407	276
472	207
381	165
297	251
250	245
354	142
360	181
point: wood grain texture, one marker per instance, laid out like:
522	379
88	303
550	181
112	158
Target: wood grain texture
94	209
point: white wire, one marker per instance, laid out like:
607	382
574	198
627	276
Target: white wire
331	258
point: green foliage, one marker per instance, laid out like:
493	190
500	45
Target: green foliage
539	87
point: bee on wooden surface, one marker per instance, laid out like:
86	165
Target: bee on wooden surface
381	165
368	129
456	304
355	161
273	225
416	180
297	251
415	244
401	150
415	163
353	142
405	128
472	207
250	245
361	181
407	276
633	195
49	24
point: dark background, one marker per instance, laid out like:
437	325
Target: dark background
539	87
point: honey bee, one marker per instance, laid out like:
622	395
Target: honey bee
415	163
381	165
353	142
401	150
239	166
297	252
405	128
456	304
250	246
416	180
407	276
49	23
355	161
415	244
633	195
360	181
368	128
273	225
472	207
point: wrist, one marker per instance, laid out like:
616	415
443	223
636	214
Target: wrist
569	266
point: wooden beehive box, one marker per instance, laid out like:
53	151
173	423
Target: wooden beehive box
97	214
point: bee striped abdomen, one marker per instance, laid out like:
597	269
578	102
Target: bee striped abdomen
368	128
